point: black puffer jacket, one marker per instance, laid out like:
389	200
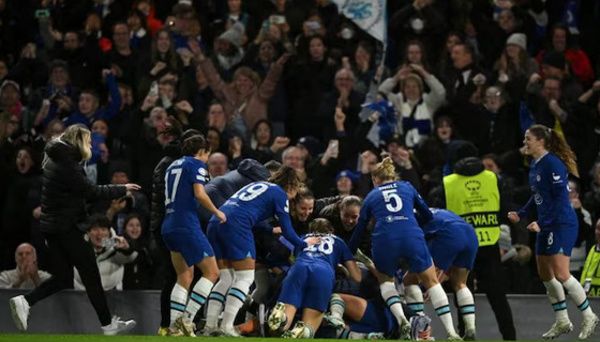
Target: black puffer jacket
66	189
157	207
221	188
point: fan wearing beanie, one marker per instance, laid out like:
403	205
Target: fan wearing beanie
515	64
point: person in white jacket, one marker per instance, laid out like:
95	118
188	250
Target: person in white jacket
415	107
112	252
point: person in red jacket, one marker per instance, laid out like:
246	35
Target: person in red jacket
561	41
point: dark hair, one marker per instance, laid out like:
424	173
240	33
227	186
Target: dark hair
193	144
557	145
491	156
304	193
287	178
273	165
58	63
98	221
320	226
131	217
92	92
171	56
350	201
188	133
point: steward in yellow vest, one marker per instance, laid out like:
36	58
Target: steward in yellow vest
591	269
476	199
473	193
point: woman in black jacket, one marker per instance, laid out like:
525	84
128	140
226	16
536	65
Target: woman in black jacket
65	192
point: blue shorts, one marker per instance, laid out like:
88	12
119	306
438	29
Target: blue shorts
389	251
377	318
458	250
231	241
193	247
308	285
555	241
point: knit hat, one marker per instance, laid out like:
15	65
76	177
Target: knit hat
310	143
554	59
353	176
518	39
234	34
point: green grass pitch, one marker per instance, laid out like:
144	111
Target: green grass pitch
138	338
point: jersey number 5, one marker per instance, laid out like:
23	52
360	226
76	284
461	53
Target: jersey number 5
172	192
392	200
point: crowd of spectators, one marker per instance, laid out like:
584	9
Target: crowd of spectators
287	80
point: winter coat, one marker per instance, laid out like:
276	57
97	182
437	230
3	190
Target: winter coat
66	189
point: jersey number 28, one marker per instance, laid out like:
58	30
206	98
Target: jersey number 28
325	246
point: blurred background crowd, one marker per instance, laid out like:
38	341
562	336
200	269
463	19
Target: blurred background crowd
292	81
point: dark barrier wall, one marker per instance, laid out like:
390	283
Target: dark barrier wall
70	312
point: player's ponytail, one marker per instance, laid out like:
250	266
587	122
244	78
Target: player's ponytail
556	144
287	178
192	145
320	226
385	171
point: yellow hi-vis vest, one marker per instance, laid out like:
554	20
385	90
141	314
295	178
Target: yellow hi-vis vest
477	200
591	270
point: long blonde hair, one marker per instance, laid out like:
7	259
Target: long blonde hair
385	171
77	135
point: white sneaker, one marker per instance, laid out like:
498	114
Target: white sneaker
230	332
454	337
19	308
557	329
588	326
300	330
277	318
334	321
117	326
405	331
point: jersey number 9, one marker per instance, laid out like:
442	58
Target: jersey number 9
251	192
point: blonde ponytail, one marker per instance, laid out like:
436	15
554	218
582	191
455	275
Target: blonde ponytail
385	171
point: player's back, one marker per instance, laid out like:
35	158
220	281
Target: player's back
180	203
331	251
391	204
253	203
444	222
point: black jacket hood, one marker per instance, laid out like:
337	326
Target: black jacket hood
253	170
58	150
469	166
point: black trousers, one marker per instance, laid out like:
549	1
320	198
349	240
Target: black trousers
170	278
65	251
490	278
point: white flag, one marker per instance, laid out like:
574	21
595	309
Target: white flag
369	15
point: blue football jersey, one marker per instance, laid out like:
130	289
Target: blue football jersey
256	202
331	250
548	180
181	206
443	222
391	205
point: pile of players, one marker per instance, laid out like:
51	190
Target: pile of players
228	253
